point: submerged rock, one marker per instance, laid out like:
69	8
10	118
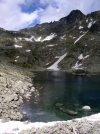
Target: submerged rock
59	104
68	111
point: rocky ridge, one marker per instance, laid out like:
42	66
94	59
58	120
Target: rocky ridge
39	47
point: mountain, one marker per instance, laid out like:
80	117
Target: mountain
71	44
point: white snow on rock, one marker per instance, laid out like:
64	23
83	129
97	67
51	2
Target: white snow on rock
17	46
94	22
80	57
80	37
74	37
17	57
15	39
63	37
8	127
87	21
90	24
55	65
80	27
76	66
29	39
28	51
37	39
15	60
86	56
20	38
51	36
50	45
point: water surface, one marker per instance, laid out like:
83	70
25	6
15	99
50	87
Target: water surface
71	91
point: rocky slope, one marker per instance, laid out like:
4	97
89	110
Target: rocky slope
39	47
15	86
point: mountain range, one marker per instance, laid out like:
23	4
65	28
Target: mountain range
71	44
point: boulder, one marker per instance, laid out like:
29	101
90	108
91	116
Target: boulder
86	108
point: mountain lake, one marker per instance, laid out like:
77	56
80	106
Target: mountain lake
55	90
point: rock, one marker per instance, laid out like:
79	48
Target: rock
26	122
59	104
68	111
15	129
2	80
11	97
86	108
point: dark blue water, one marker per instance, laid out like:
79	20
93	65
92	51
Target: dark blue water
73	92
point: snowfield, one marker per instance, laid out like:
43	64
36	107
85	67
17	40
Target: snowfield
55	65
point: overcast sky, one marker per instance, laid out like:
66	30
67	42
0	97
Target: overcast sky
18	14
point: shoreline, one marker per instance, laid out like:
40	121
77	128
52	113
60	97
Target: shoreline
15	86
17	127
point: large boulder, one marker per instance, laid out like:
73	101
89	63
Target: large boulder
86	108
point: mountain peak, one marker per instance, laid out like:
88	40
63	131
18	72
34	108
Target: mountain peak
75	14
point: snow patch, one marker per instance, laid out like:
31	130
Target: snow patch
17	57
55	65
80	37
86	56
17	46
29	39
28	51
80	27
74	37
90	24
51	36
87	21
76	66
94	22
80	57
37	39
20	38
63	37
50	45
15	39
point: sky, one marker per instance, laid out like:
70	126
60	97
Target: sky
19	14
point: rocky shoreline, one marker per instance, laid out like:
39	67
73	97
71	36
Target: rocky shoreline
85	125
68	127
15	86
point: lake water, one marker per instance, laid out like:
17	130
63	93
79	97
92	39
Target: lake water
72	92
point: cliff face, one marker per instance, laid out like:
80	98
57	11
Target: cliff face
41	46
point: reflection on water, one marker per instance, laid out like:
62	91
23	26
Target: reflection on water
71	91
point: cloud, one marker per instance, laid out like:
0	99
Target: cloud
59	8
18	14
12	17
